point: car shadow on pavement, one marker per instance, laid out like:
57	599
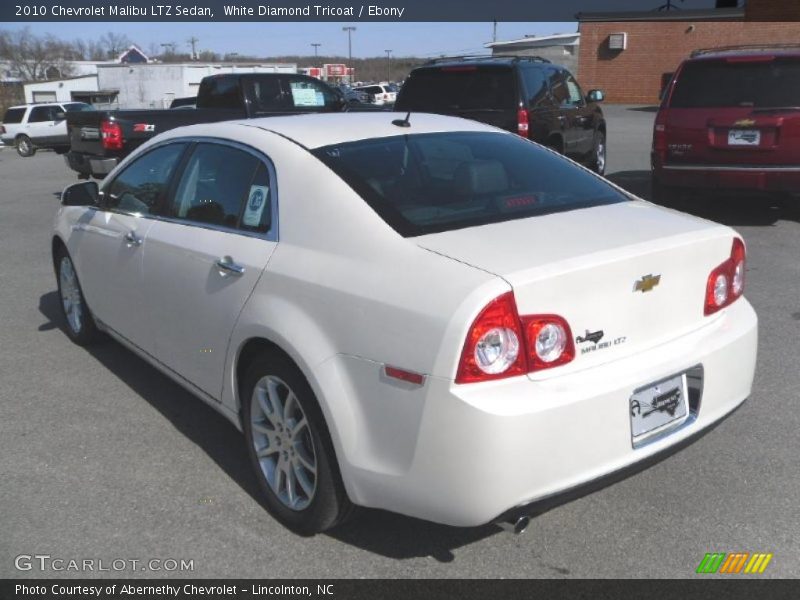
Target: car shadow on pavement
753	210
377	531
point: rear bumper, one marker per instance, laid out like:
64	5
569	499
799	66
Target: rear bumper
88	165
486	450
758	178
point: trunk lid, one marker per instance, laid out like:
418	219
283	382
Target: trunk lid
584	265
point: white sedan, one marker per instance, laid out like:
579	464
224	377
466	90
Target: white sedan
425	315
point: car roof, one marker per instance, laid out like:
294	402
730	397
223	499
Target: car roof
746	52
317	130
479	61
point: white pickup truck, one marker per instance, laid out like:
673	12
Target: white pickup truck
33	126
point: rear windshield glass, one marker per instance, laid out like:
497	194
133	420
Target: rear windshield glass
77	107
14	115
707	83
459	88
435	182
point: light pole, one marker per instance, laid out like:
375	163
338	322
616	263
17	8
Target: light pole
315	49
388	64
350	29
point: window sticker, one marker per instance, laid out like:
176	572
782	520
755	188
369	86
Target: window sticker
256	202
307	97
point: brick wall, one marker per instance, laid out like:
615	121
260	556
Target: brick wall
654	48
772	10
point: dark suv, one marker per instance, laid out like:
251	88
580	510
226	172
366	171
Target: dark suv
525	95
729	122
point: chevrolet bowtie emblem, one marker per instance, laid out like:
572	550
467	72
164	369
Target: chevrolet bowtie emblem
646	283
744	123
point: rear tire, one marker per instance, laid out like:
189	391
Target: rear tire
290	447
79	321
25	146
598	164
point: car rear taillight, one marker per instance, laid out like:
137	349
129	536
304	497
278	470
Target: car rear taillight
2	130
522	121
111	135
500	344
660	138
726	282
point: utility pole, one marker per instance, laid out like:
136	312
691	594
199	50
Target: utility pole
388	64
494	32
350	29
169	48
315	49
192	41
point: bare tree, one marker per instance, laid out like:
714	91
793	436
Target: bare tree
33	57
115	43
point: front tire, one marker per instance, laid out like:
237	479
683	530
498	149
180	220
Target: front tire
25	146
599	153
80	324
290	447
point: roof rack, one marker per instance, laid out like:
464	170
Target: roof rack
487	57
745	48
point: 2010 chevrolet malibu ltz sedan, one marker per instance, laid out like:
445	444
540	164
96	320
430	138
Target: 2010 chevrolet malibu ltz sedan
423	314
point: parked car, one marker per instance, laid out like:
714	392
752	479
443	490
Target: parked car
525	95
353	96
379	94
730	122
100	139
428	315
33	126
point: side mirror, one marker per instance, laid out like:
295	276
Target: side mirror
84	193
61	115
595	96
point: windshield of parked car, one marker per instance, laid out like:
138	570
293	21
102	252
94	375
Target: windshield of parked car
770	83
77	107
467	87
435	182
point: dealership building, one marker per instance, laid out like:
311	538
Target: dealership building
630	55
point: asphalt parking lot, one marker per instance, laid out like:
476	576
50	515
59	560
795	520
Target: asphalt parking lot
102	457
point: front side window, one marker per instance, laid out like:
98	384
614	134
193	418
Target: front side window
224	186
41	114
435	182
566	90
535	86
270	94
139	188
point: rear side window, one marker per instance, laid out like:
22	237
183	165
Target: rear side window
437	182
139	187
291	94
459	88
220	92
14	115
535	86
221	185
716	83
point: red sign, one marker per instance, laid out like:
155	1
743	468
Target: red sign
335	70
315	72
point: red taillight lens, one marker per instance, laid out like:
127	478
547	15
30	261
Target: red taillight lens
549	341
660	139
111	135
493	347
522	122
726	282
501	344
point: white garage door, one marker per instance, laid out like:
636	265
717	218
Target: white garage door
39	97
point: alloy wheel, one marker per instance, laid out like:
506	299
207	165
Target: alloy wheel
71	295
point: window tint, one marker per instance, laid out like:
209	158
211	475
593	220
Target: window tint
710	83
535	86
14	115
218	185
435	182
220	92
40	114
140	186
459	88
77	107
565	90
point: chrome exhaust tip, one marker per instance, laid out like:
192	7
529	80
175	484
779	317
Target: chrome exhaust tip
516	526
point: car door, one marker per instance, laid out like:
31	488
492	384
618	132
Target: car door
205	256
563	95
111	243
584	116
40	123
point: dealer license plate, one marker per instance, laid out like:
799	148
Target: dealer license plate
744	137
658	408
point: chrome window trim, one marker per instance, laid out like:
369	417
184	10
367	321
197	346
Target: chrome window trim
271	236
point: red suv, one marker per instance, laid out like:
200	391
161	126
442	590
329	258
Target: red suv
730	121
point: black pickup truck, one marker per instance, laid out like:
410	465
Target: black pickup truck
100	139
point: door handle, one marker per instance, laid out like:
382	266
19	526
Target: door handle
132	240
228	267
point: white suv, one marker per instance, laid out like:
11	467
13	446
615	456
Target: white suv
35	126
380	93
